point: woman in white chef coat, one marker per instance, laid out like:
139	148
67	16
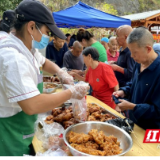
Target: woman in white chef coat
21	78
6	23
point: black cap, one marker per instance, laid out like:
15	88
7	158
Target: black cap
9	16
8	21
32	10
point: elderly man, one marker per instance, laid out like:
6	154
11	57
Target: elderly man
124	66
143	90
55	51
73	58
112	52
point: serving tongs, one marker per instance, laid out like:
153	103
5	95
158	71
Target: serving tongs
126	120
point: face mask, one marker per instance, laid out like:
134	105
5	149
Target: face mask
43	43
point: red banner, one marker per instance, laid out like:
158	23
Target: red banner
152	136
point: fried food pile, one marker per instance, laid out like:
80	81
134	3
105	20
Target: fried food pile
65	117
96	113
94	143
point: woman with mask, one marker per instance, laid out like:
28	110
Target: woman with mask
21	78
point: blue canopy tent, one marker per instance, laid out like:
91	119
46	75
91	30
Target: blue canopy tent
82	15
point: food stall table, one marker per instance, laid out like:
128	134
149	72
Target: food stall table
138	149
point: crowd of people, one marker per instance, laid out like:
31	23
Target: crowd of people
130	73
125	73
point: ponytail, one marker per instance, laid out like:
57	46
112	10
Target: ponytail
83	34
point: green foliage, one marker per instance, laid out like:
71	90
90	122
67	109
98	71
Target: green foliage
148	5
55	5
108	8
8	4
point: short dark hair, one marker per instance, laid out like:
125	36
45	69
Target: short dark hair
92	51
142	36
67	34
83	34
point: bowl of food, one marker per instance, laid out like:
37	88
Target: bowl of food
97	138
49	87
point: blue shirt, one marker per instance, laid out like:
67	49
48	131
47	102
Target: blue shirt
53	54
72	40
144	91
125	61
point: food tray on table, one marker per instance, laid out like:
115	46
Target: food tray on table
104	111
49	87
64	115
53	79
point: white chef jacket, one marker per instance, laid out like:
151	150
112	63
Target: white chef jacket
18	75
3	35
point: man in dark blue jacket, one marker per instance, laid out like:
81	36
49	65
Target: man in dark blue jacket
125	63
55	51
143	92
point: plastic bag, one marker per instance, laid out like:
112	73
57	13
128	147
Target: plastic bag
51	152
79	106
56	142
79	109
64	77
46	132
78	90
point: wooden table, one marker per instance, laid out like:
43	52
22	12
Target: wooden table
148	149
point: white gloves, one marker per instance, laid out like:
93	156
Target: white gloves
64	77
79	90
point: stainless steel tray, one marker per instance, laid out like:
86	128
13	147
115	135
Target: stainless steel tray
68	104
